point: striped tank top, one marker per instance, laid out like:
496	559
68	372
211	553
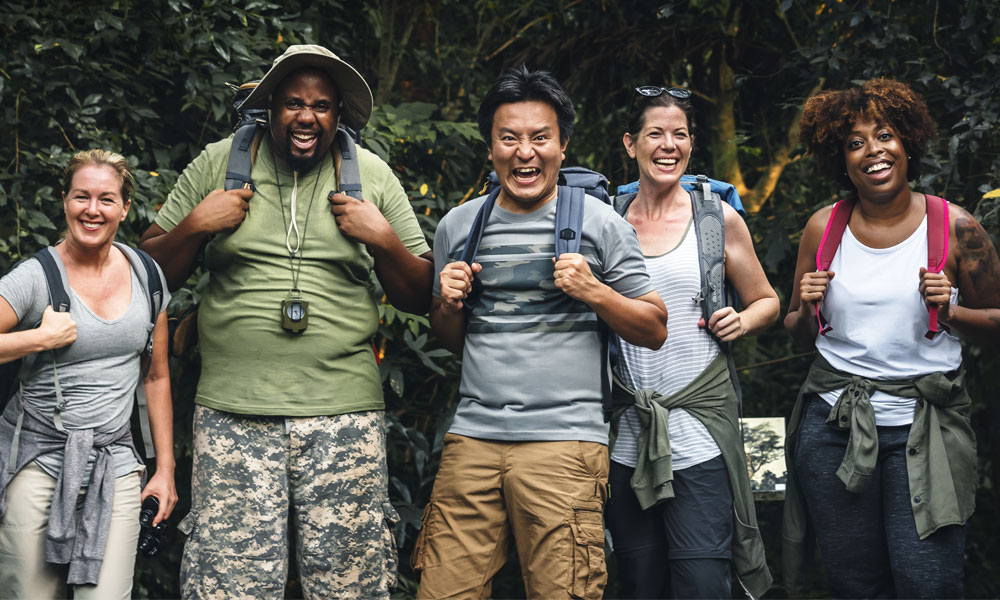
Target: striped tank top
685	354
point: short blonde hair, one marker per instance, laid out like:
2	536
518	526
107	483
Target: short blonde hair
105	158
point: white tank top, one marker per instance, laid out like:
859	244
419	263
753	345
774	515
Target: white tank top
685	354
879	320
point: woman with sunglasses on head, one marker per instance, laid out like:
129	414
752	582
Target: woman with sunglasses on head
680	508
879	442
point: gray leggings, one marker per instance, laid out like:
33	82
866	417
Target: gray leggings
869	540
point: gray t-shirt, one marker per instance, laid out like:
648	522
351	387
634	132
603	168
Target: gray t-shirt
98	372
531	367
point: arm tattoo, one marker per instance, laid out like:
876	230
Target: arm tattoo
980	266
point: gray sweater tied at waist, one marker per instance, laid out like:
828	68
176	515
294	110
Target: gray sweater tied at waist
79	542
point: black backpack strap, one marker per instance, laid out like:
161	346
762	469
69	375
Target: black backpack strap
58	296
149	277
710	230
569	220
350	172
59	300
252	124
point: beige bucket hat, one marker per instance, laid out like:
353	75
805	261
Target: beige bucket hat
355	95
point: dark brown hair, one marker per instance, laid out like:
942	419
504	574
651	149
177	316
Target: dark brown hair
828	118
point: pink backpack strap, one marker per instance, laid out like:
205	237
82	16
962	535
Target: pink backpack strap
938	229
828	247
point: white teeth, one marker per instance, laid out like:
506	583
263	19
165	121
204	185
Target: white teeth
303	137
669	162
525	170
91	225
878	167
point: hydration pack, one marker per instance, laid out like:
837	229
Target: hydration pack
937	249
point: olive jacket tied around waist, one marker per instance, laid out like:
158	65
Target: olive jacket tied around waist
710	398
940	455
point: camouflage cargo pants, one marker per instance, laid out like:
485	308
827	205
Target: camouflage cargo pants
256	476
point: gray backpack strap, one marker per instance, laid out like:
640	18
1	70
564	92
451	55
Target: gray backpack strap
569	220
241	155
149	278
621	202
350	172
710	229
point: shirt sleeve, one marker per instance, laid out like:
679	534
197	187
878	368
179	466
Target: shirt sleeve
624	266
442	252
394	204
199	178
24	288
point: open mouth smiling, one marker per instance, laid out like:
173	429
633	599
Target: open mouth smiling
526	173
879	166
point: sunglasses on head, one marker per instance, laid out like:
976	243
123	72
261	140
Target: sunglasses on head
652	91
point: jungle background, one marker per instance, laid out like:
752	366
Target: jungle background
149	78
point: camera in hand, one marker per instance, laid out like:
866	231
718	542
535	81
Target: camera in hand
150	538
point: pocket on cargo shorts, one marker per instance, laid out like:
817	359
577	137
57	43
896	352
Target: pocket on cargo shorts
589	568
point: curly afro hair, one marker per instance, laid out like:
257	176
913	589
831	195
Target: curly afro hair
828	117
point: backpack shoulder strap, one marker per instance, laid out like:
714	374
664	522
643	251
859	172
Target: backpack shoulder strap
938	229
149	277
828	245
350	171
569	219
710	230
478	226
246	139
58	296
621	202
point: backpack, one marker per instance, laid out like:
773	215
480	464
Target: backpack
937	249
250	126
14	373
574	183
710	231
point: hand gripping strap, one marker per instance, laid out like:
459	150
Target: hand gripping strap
350	172
569	220
828	248
937	249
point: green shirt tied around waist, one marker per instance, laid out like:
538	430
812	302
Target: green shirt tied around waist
940	454
710	398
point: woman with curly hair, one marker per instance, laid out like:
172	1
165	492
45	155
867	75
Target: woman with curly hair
881	457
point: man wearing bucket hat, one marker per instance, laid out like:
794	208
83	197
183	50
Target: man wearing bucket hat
288	423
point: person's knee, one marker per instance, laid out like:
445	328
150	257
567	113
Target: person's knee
701	578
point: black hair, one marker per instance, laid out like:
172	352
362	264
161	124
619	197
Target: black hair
637	116
518	84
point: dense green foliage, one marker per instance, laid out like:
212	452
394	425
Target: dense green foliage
148	79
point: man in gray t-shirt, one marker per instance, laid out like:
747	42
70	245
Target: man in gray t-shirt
526	458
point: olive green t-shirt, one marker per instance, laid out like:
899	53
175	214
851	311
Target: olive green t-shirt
249	363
